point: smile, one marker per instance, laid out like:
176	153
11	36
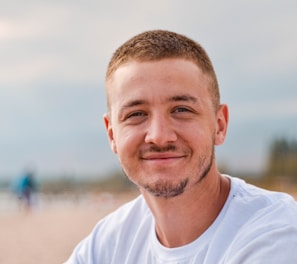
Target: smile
163	158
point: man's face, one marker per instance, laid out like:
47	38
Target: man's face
162	124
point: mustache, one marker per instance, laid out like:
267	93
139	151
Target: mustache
157	149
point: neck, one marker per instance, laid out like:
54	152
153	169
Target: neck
182	219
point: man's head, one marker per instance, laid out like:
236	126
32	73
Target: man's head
161	44
164	115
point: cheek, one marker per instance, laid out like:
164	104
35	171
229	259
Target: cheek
194	134
126	142
199	138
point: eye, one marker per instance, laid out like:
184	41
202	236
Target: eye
136	114
135	117
181	109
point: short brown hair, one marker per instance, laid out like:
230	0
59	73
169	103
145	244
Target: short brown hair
161	44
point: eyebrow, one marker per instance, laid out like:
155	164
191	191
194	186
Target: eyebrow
176	98
184	98
133	103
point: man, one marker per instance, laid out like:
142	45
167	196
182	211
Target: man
25	189
164	119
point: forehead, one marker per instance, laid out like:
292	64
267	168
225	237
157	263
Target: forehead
156	79
168	63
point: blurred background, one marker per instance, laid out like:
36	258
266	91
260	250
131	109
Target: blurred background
53	57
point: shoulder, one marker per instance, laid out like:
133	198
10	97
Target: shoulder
114	232
131	212
258	205
268	225
260	198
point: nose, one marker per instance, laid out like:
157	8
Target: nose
160	131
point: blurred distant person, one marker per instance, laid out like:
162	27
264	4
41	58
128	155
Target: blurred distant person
26	188
164	120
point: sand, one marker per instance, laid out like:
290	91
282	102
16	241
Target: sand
49	232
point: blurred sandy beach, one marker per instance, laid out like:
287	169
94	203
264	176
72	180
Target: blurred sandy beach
49	232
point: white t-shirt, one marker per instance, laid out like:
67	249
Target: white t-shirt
254	226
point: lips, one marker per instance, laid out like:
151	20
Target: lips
162	156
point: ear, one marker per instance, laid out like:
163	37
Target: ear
109	132
222	124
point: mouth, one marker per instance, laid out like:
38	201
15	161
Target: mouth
162	156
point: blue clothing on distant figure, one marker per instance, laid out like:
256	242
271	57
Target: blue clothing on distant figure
26	187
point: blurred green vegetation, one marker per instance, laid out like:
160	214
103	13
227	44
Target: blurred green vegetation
116	182
282	160
281	168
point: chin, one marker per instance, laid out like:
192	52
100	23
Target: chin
165	189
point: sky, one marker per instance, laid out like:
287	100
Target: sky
53	57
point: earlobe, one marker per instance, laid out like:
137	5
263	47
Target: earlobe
109	132
222	124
